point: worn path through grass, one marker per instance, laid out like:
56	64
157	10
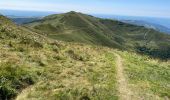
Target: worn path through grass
124	92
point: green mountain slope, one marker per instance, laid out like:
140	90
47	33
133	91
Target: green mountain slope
53	69
78	27
35	67
75	27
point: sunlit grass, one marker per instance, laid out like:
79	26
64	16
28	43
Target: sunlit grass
149	77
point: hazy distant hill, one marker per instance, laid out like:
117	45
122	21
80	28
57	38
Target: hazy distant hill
23	20
148	25
20	13
154	20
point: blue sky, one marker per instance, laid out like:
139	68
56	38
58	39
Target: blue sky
152	8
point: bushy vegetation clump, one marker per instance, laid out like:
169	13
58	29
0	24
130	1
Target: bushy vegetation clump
163	54
14	78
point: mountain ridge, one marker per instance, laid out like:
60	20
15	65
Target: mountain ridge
78	27
84	25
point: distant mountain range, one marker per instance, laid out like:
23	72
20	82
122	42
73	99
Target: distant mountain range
24	14
157	27
154	20
23	20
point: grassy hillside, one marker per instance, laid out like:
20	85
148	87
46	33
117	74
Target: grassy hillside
54	69
78	27
35	67
75	27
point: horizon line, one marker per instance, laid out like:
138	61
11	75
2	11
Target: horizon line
60	12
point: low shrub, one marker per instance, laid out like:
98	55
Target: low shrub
75	56
13	78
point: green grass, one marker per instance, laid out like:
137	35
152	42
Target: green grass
14	78
148	77
86	72
52	69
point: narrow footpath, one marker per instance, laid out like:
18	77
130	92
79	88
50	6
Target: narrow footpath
124	91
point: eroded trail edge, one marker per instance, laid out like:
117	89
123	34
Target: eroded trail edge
124	91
